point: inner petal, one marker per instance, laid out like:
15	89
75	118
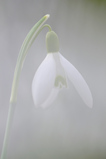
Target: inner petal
60	80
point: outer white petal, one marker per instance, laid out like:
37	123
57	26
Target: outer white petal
78	81
43	81
50	98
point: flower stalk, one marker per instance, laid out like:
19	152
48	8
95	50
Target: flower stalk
31	36
23	52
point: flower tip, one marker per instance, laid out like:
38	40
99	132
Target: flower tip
47	16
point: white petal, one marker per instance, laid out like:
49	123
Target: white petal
43	81
78	81
50	98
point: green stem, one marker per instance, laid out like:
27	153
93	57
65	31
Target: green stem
7	131
34	37
31	36
22	54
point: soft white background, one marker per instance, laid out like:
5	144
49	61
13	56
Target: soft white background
68	129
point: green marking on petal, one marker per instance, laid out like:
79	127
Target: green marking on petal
60	82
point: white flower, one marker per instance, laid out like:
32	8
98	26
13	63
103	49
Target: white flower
52	76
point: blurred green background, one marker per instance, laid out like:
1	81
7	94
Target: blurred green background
68	129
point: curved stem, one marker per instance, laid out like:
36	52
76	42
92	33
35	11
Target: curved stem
35	36
22	54
46	25
31	36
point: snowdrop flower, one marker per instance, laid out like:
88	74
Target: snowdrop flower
52	76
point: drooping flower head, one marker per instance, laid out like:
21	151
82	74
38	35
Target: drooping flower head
53	72
52	76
